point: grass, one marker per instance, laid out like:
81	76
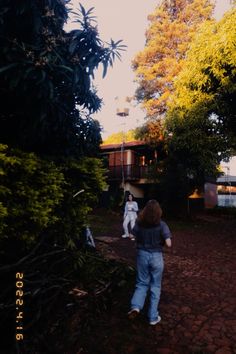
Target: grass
102	221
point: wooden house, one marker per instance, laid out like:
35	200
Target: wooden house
130	168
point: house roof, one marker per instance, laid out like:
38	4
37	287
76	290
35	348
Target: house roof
129	144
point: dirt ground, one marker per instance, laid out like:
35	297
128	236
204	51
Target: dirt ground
198	300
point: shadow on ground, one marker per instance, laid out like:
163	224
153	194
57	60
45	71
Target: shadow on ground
197	304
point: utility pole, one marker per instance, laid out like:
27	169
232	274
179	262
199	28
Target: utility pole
122	111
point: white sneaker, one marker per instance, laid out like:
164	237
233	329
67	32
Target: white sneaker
133	313
153	323
125	236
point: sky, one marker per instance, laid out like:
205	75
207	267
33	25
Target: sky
126	20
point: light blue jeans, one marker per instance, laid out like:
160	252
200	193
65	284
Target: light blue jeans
150	267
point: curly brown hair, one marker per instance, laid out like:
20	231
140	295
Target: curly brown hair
150	215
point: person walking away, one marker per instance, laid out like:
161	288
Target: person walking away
130	215
151	234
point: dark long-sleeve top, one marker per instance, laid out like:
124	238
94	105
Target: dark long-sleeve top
153	238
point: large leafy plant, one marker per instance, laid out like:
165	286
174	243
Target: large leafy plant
47	77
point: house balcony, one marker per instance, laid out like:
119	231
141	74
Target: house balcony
131	172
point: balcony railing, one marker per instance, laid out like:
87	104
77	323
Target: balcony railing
131	172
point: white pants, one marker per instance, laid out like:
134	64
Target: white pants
130	218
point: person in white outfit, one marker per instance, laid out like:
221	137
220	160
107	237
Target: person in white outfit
130	215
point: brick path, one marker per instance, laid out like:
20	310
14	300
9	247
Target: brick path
198	302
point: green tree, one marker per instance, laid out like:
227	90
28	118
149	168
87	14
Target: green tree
201	114
205	90
47	77
192	158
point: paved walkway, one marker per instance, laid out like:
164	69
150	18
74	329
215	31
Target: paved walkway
198	302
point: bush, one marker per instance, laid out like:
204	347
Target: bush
86	174
41	222
37	198
30	190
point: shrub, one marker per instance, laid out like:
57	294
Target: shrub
85	174
30	190
37	198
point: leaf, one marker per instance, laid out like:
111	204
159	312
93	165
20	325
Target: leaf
82	9
43	76
73	46
105	66
7	67
65	67
90	10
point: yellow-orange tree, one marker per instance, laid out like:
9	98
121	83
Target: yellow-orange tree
172	27
117	138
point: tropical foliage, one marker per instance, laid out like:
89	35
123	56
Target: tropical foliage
48	143
46	75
